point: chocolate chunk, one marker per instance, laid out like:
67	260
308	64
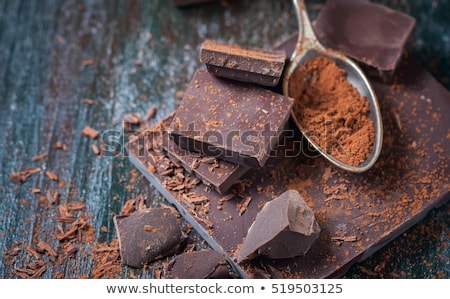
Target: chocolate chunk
201	264
371	33
244	64
284	228
219	174
237	122
140	245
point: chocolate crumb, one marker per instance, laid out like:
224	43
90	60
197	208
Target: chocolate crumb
87	62
345	239
95	149
51	175
21	176
88	101
149	228
151	113
53	197
33	270
39	157
132	118
244	205
60	145
90	132
44	246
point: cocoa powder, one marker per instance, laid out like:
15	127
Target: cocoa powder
331	110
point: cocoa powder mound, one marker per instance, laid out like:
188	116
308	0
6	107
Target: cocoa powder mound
331	110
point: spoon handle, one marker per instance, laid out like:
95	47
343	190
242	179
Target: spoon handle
306	37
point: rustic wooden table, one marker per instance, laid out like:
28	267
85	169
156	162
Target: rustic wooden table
65	65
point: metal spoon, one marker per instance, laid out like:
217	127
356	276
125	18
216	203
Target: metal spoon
309	47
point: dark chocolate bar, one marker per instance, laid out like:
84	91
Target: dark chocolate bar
232	61
148	235
368	32
357	213
237	122
202	264
284	228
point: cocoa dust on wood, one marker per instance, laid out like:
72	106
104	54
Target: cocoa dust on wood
332	111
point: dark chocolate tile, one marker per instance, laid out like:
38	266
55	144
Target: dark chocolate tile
368	32
237	122
200	264
148	235
232	61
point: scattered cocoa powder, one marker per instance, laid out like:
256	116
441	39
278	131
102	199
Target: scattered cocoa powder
332	111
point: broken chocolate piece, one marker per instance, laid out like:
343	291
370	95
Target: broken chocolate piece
284	228
201	264
221	176
237	122
244	64
138	245
372	33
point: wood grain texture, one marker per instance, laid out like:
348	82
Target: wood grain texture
127	56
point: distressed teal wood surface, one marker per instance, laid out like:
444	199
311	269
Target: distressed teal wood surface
44	84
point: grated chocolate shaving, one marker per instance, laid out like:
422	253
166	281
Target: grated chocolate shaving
21	176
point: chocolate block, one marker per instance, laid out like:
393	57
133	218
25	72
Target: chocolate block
358	213
232	61
237	122
148	235
201	264
368	32
216	173
284	228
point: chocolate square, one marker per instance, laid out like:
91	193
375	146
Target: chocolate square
368	32
232	61
237	122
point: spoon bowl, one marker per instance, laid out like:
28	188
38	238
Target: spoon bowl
308	47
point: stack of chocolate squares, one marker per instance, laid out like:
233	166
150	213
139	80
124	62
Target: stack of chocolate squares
226	118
